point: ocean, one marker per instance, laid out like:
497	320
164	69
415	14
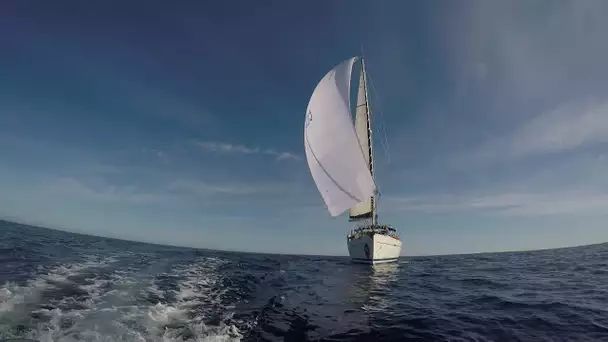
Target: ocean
58	286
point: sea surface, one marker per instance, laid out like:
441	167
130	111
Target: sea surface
58	286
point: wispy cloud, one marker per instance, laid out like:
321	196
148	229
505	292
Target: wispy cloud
559	45
80	190
510	204
174	193
543	82
287	155
202	188
228	148
138	175
159	154
568	126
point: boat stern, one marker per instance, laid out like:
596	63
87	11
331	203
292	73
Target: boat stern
374	248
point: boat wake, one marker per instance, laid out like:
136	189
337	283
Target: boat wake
94	301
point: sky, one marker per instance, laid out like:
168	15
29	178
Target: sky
183	123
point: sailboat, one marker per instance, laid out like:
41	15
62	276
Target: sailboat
340	158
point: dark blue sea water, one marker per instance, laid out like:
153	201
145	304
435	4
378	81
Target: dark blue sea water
57	286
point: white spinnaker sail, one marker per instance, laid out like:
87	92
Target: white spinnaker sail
334	156
362	209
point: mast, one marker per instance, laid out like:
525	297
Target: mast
369	140
365	209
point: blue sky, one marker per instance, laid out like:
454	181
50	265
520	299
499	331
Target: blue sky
183	124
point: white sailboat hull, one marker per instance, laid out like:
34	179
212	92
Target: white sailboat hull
380	249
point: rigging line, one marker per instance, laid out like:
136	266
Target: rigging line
385	142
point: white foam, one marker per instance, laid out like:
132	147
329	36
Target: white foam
112	309
160	314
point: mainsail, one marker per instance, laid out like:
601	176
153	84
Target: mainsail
364	209
339	167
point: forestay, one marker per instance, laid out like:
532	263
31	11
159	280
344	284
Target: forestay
334	156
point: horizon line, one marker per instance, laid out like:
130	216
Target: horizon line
13	221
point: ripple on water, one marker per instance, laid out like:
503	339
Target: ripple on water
63	287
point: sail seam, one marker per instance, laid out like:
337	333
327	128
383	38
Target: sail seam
326	172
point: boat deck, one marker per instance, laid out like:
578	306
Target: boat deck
373	229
